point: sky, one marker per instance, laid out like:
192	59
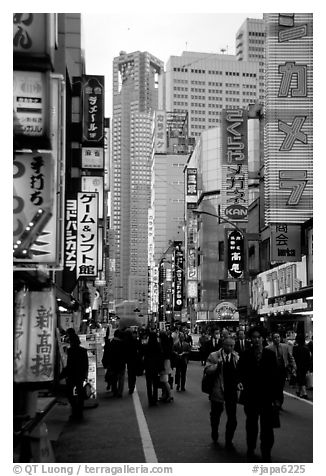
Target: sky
104	35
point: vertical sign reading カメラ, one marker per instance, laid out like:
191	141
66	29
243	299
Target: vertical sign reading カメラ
234	194
288	118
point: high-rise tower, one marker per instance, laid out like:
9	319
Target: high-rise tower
135	98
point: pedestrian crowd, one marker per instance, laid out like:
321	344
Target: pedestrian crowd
247	368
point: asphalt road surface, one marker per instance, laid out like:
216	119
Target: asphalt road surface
128	431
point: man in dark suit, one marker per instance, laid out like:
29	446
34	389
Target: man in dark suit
285	362
241	343
215	342
223	363
259	380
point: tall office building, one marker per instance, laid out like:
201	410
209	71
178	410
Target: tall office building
201	84
250	46
135	97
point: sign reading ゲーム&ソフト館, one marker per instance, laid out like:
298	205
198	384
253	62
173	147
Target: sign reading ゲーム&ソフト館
234	193
288	127
87	234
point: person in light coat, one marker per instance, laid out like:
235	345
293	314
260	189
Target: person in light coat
224	364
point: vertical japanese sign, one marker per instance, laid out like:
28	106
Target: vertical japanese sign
235	255
289	117
35	323
87	218
285	242
178	276
192	182
234	194
106	149
93	109
160	132
70	259
34	184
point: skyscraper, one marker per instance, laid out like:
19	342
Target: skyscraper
135	97
250	46
201	84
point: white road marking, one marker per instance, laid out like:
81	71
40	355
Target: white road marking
298	398
149	452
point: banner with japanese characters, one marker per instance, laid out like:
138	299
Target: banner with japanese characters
160	132
34	344
288	118
87	239
285	242
235	255
33	201
234	193
93	109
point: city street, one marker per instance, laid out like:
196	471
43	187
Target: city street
179	432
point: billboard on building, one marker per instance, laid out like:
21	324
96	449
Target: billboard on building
234	193
288	133
106	149
192	188
93	109
160	132
178	276
87	230
285	242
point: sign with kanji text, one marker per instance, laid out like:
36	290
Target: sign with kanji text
92	158
285	242
160	132
192	182
93	109
34	348
235	254
87	226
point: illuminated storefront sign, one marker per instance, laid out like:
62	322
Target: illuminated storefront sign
226	311
178	276
93	109
34	343
87	231
71	236
192	181
285	242
160	132
235	254
288	118
283	279
234	194
34	185
34	34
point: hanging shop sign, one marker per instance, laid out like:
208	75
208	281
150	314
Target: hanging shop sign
34	185
92	158
87	226
94	184
192	188
34	344
234	193
178	276
93	109
235	254
288	155
31	103
70	258
160	132
226	311
34	34
192	289
285	242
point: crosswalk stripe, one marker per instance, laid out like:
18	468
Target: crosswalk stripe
148	448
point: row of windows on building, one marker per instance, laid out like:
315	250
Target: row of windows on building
226	73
